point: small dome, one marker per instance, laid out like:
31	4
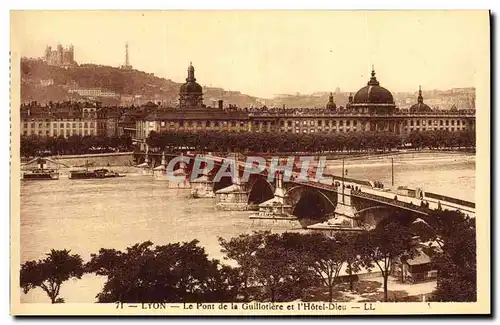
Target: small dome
331	103
373	93
191	86
420	106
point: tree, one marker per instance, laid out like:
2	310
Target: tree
325	257
242	249
384	244
352	258
279	269
273	263
455	256
169	273
50	273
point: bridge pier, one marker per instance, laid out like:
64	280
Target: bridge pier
275	212
203	186
160	172
344	216
183	174
232	198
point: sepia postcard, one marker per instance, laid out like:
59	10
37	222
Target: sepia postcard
250	163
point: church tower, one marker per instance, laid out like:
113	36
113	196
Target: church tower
331	103
191	93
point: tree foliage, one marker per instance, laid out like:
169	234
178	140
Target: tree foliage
51	272
285	265
271	266
384	244
74	145
179	272
293	142
455	257
440	139
325	256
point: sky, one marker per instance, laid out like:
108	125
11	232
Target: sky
263	53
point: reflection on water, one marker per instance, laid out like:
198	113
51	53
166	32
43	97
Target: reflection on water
86	215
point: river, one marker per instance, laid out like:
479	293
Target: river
86	215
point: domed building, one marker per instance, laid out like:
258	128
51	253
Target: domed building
372	99
371	109
420	107
191	93
331	103
374	108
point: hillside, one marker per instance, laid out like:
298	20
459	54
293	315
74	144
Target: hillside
123	82
130	83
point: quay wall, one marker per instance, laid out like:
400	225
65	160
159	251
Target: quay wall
97	160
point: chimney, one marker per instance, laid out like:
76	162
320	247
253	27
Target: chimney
221	104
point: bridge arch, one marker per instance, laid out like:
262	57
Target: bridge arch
309	205
260	190
370	217
223	182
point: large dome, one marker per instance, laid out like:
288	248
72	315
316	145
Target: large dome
373	93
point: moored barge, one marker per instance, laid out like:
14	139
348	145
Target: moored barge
40	174
97	173
39	171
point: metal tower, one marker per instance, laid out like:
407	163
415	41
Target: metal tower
127	63
126	55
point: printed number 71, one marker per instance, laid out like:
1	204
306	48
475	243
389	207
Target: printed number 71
119	305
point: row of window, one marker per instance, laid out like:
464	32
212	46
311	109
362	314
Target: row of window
200	123
320	123
326	130
436	122
463	128
257	123
56	133
61	125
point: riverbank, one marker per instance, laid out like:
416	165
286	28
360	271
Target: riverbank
374	155
126	159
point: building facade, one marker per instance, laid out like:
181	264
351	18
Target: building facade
57	121
93	92
370	109
192	115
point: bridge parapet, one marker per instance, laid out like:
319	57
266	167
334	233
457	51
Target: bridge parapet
363	190
392	202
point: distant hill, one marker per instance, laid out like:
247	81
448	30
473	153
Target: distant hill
120	81
147	86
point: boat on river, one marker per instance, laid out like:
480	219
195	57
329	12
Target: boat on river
40	174
36	170
93	174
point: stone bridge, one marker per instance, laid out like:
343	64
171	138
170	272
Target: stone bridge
344	203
